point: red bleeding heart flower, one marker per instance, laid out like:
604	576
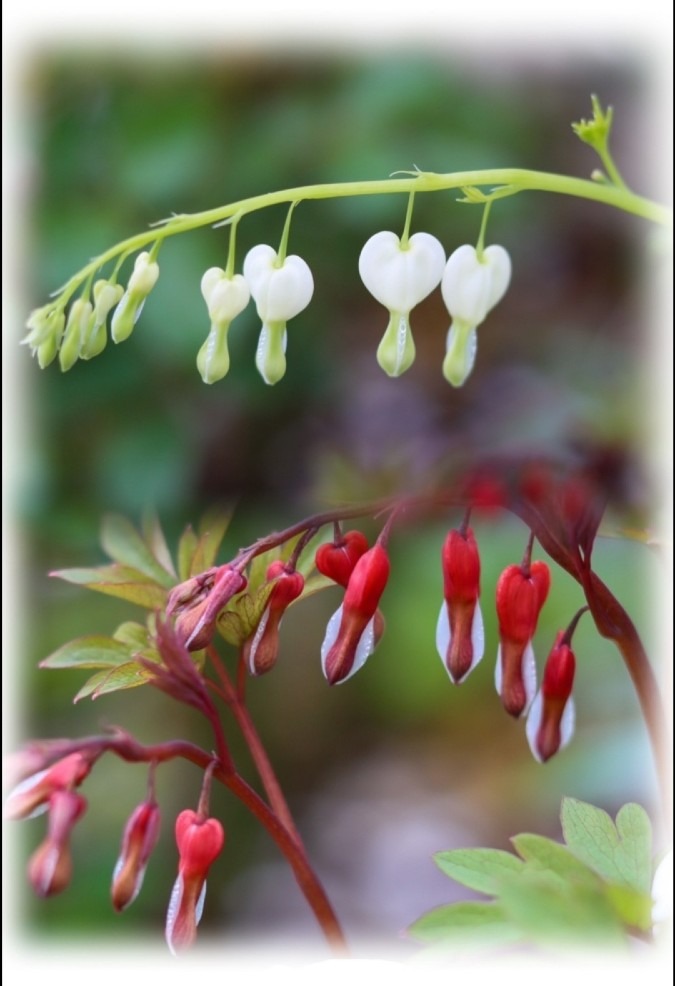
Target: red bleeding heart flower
263	647
200	841
337	560
50	867
459	632
354	629
31	797
521	593
550	723
140	837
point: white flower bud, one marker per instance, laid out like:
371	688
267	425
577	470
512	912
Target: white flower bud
76	327
225	298
142	281
472	286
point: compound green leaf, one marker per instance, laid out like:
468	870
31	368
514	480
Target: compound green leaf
479	869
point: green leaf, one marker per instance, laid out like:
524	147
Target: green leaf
124	544
135	635
232	629
622	853
547	911
212	530
633	907
155	540
466	923
88	652
479	869
546	854
120	581
186	550
243	613
129	675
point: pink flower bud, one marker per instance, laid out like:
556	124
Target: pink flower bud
521	593
200	840
262	648
337	560
50	866
199	601
351	635
32	795
550	723
459	633
140	837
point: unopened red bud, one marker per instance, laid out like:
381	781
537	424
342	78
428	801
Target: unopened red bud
198	614
521	593
350	635
50	866
459	632
32	795
337	560
140	837
200	840
262	649
550	723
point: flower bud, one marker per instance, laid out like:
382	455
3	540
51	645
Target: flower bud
550	722
50	866
200	841
521	593
459	633
198	601
76	330
106	296
140	837
46	327
263	647
399	277
280	290
225	298
31	796
336	560
142	281
351	635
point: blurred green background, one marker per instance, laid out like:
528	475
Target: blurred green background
398	763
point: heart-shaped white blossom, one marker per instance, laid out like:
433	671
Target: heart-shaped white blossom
399	277
225	297
471	286
280	292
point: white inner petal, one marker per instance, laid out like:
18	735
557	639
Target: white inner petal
533	724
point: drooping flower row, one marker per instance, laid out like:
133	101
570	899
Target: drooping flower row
199	839
356	627
398	273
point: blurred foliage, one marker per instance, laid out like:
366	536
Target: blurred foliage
115	144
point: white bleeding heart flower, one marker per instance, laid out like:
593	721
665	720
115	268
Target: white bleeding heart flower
281	290
225	297
471	286
400	277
